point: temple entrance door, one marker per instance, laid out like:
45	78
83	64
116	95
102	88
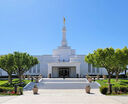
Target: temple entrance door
63	72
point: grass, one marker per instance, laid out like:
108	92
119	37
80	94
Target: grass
5	85
120	82
118	94
2	82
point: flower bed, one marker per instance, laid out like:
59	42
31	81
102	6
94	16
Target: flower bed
8	89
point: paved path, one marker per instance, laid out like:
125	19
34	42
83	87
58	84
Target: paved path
59	91
4	99
75	96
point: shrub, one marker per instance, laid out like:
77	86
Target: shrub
87	76
115	89
6	89
124	89
104	89
14	82
10	91
20	90
120	89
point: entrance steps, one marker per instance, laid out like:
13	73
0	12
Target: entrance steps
55	80
60	83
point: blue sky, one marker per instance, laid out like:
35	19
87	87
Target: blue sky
35	26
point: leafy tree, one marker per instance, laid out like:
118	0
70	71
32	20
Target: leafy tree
7	63
23	62
103	58
121	61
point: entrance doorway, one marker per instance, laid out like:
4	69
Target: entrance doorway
64	72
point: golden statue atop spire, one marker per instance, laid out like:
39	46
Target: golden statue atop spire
64	20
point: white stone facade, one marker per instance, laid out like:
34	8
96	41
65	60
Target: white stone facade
63	63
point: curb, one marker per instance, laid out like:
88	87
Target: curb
98	84
27	85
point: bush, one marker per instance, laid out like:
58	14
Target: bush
115	89
6	89
10	91
119	89
124	89
104	89
14	82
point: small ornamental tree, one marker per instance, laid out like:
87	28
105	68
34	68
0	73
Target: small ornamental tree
103	58
121	61
23	62
7	63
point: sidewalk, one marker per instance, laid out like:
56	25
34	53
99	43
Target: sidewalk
63	97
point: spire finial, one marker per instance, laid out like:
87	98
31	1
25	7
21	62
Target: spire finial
64	20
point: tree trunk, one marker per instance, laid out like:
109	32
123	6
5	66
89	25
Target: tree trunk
20	79
109	83
10	78
126	73
117	75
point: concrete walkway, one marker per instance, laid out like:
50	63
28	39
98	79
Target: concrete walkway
67	91
64	97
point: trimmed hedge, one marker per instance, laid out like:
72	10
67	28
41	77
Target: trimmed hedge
115	89
104	89
14	82
10	91
5	89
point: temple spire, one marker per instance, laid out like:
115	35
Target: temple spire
64	20
64	41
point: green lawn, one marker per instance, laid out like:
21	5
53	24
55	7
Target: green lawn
5	86
4	83
120	82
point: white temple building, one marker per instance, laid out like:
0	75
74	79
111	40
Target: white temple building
64	62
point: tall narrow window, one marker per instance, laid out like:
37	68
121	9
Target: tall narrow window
0	72
38	68
89	68
93	69
98	70
30	70
34	69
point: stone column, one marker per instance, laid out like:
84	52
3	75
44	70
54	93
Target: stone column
78	69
